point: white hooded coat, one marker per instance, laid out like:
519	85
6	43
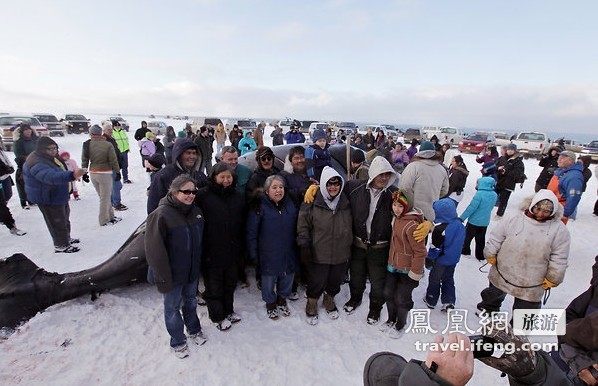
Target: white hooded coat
528	251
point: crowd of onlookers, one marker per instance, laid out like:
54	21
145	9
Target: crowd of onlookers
392	218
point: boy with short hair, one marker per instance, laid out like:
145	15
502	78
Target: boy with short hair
317	155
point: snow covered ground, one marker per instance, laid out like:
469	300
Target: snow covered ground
120	338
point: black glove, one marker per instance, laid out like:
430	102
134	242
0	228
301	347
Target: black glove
117	177
86	178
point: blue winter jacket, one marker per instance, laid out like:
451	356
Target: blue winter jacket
46	183
316	158
570	186
271	235
450	234
296	137
480	208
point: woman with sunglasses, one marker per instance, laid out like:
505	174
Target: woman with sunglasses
224	243
265	168
325	229
271	233
173	247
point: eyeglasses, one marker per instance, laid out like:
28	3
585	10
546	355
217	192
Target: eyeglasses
333	183
52	148
187	192
266	158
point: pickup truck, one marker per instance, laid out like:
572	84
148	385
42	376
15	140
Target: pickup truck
531	143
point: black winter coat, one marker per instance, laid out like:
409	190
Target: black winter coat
513	171
173	243
257	180
359	197
224	234
549	164
457	179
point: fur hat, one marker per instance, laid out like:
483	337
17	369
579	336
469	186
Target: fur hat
44	142
95	130
568	153
319	134
157	160
511	146
263	151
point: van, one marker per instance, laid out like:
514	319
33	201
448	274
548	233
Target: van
411	134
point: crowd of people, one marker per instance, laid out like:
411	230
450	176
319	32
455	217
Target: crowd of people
308	225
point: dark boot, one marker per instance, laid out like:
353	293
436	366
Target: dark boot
329	304
352	305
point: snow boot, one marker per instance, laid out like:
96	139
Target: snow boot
330	306
311	311
447	306
351	305
283	308
272	310
373	316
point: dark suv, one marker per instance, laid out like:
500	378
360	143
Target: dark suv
51	123
76	124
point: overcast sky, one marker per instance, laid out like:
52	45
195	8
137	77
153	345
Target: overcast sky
506	64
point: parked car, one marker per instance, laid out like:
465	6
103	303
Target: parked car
247	124
9	123
411	134
199	122
124	125
51	123
157	127
430	131
476	142
502	138
75	124
591	149
305	126
531	143
285	124
450	135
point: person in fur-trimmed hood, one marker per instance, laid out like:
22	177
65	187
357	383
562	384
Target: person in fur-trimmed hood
528	253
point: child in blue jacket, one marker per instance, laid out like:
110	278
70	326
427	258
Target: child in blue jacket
317	155
447	241
478	215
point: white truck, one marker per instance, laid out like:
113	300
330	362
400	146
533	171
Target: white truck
531	143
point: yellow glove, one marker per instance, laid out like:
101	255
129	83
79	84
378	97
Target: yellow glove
491	260
310	194
548	284
422	230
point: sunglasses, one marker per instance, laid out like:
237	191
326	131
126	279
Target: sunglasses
333	183
266	158
187	192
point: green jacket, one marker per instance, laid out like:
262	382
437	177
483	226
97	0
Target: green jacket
120	136
99	155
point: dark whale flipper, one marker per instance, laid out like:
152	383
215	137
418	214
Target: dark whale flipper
26	289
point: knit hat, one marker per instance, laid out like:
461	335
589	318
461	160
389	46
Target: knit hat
357	156
65	154
181	134
546	205
149	135
511	146
568	153
427	145
426	150
400	197
43	143
156	160
95	130
319	134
